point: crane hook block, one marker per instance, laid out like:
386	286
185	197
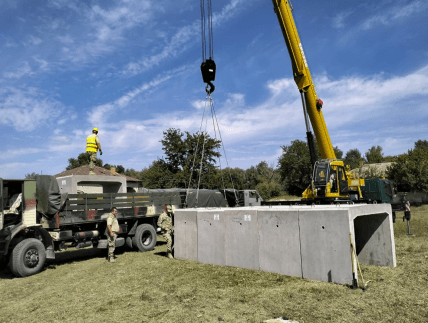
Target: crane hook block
319	104
208	70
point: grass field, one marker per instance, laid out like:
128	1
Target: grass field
80	286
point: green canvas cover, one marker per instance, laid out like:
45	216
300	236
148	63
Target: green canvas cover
48	195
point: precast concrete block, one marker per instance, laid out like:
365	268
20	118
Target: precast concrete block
306	241
325	244
241	239
374	234
279	241
211	236
186	234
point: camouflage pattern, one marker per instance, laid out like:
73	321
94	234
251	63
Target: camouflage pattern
93	159
165	223
111	240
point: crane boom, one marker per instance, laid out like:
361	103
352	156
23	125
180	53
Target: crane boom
302	77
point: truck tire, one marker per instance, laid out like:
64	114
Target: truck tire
27	258
145	237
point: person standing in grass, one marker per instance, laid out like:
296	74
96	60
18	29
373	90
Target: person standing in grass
112	231
165	223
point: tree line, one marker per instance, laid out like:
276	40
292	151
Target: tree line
192	160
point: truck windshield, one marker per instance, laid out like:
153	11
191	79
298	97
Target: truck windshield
321	174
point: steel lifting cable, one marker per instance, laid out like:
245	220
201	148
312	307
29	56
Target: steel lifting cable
208	66
194	157
215	121
203	135
203	30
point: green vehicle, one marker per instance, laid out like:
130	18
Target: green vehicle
382	190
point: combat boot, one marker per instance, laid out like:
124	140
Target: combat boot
111	259
170	256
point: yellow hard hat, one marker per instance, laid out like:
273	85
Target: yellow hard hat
95	129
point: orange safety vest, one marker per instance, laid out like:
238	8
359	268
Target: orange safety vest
91	143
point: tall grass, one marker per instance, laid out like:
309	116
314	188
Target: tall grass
81	286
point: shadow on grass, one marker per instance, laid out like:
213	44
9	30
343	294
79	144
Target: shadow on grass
161	254
5	272
72	255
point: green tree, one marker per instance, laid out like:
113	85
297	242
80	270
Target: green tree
157	175
269	181
410	171
252	178
187	156
119	168
390	159
232	178
374	155
353	158
132	173
82	159
338	152
295	167
31	175
422	144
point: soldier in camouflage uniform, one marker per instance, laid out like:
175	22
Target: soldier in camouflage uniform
112	231
165	223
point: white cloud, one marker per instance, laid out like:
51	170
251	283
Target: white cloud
354	109
35	40
359	111
21	71
26	110
13	153
339	19
394	13
181	40
99	114
199	104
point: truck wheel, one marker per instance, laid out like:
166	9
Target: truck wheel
145	237
27	258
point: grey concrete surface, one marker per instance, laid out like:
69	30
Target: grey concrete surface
306	241
374	234
325	245
241	238
211	237
279	241
92	184
186	235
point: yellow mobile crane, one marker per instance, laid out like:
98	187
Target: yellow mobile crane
331	180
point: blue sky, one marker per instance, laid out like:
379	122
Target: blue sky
132	69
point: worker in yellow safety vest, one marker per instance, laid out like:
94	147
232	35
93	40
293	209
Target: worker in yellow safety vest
92	146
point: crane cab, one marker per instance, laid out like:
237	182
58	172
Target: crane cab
331	181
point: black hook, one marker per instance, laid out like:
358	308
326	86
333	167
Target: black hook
211	89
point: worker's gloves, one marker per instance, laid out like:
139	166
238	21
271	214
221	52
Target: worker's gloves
101	152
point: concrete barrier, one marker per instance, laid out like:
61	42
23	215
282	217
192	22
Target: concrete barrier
305	241
211	232
186	235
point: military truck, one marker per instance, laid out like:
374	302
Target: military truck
38	220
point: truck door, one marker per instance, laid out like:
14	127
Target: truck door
342	181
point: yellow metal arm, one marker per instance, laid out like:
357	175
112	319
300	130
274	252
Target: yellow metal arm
302	76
